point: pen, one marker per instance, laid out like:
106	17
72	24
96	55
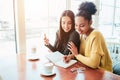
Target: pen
69	53
65	58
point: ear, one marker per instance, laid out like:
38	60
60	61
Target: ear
90	22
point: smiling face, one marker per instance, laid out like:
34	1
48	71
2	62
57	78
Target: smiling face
66	23
81	25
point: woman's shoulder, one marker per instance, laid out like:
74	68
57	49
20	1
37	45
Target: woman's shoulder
74	36
96	33
74	33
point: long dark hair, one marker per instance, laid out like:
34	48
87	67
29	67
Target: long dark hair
61	33
86	10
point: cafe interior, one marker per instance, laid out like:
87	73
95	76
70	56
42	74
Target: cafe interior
23	24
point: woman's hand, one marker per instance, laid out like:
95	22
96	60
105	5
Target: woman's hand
73	48
67	58
46	40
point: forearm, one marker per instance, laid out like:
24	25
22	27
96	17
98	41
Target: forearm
92	62
51	47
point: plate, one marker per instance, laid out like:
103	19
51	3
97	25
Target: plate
33	58
46	74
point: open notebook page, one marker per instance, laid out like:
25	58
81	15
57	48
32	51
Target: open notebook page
57	59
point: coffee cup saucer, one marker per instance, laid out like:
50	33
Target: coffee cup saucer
47	74
32	57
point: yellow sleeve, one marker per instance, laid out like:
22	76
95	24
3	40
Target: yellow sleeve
92	61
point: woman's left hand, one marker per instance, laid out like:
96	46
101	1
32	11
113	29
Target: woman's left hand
73	48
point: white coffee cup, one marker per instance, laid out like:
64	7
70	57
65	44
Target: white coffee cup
48	68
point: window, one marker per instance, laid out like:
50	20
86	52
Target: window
106	18
109	18
42	16
7	28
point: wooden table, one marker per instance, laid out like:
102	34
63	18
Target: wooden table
18	67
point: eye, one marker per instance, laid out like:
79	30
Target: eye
82	25
63	22
69	23
76	25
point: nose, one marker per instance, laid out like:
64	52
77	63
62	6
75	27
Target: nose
66	25
78	28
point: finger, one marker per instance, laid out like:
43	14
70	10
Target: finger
69	46
65	59
70	49
71	43
45	36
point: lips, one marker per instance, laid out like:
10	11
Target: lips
80	32
66	30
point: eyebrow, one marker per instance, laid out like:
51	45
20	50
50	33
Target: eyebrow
67	21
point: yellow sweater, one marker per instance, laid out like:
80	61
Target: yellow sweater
94	52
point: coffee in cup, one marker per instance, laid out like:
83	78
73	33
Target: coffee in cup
48	68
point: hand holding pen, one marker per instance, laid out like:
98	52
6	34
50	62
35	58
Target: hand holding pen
67	58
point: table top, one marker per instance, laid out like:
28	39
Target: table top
19	67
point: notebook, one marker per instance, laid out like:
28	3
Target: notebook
57	59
